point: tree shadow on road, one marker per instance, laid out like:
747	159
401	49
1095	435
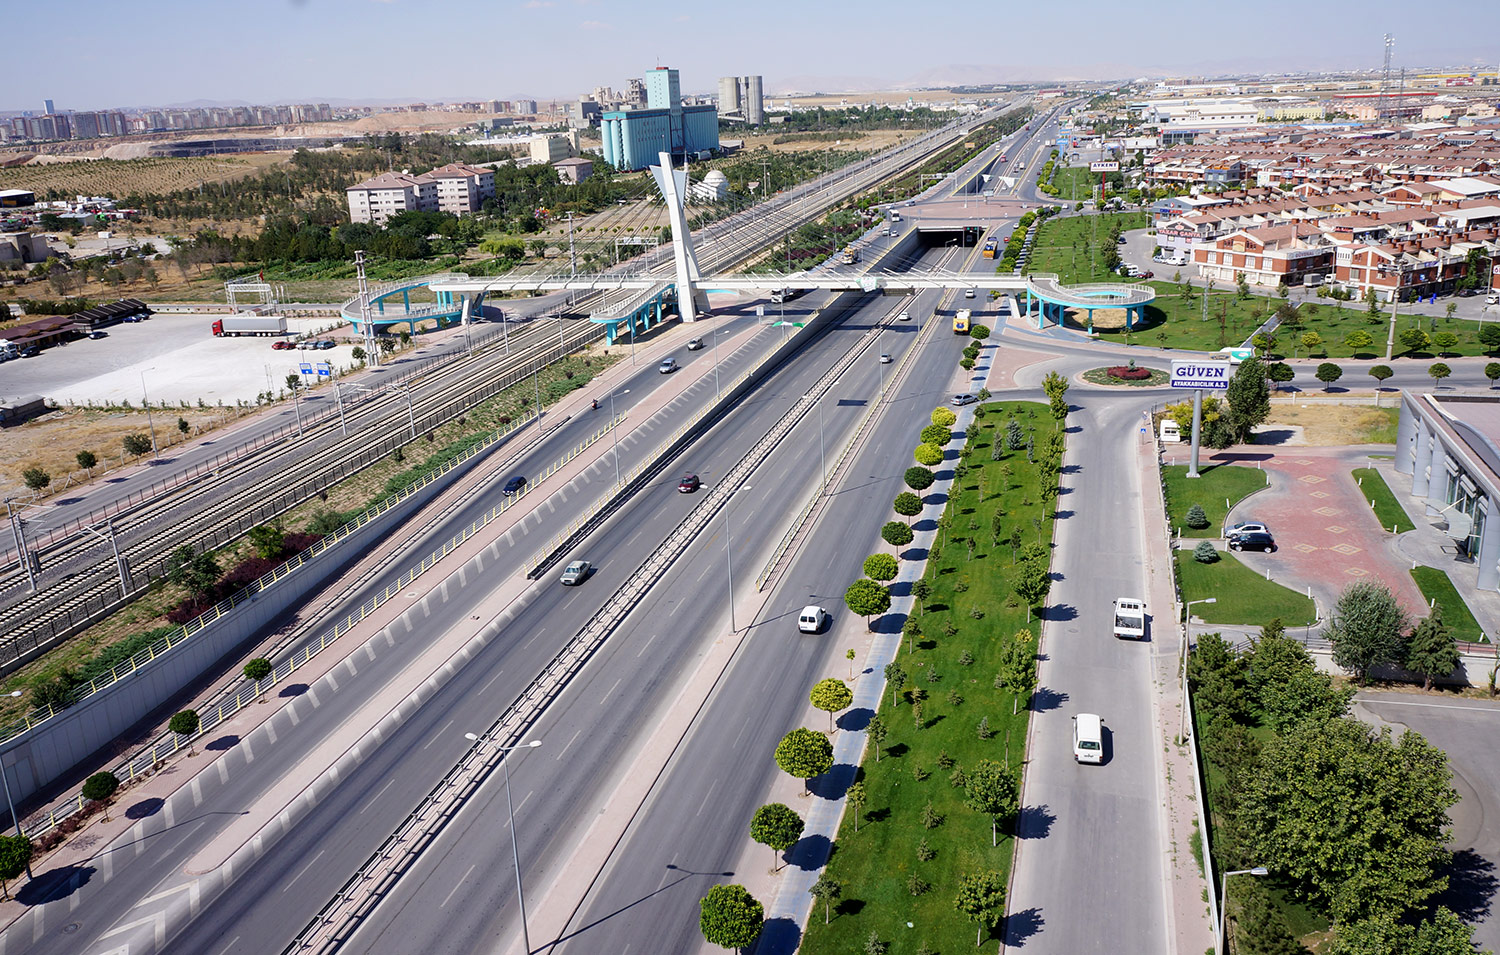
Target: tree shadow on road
56	884
1034	822
1057	612
1045	699
1020	926
855	719
1471	885
777	935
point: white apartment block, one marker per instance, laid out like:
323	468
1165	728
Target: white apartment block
454	188
462	188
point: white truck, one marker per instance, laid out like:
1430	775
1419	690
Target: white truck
249	325
1130	618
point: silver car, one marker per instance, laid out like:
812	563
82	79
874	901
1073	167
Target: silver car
576	572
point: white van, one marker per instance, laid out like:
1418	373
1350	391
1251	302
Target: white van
811	619
1088	738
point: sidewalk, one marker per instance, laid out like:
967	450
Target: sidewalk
97	836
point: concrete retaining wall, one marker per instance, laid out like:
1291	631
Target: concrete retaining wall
49	752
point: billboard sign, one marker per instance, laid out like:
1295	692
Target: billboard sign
1201	374
1108	166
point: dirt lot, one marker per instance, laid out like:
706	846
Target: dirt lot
52	442
1336	425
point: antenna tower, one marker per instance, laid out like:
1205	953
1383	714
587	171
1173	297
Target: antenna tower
1382	110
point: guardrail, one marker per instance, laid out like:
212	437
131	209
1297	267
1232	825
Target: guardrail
148	759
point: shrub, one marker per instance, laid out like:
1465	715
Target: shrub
1205	553
943	416
1196	519
908	504
896	534
979	332
100	786
880	567
928	454
936	434
1129	373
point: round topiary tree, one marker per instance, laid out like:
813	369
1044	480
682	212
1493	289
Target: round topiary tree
99	787
936	434
1196	519
896	534
979	332
880	567
908	504
918	478
1205	553
943	416
928	455
184	723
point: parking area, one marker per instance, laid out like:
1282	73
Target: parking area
1326	536
180	359
1462	728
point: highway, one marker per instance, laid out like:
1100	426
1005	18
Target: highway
696	814
361	811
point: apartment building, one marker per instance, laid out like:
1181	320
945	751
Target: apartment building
1272	255
1419	265
462	188
376	200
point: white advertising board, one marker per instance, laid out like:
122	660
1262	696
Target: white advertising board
1201	374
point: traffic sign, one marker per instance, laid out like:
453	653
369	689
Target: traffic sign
306	368
325	370
1200	374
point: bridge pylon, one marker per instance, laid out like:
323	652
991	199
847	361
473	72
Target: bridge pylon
673	185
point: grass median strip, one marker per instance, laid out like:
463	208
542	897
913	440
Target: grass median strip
1435	584
1388	511
903	851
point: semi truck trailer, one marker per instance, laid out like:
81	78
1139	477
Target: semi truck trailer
249	325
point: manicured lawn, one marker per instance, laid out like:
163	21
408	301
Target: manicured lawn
1076	182
1388	510
1436	585
1063	246
1244	596
1214	484
873	866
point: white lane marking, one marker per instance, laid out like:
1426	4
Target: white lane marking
1435	706
230	945
706	796
438	735
611	690
303	871
458	885
570	743
646	644
158	921
492	681
371	801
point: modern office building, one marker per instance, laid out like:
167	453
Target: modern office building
1447	443
49	110
633	138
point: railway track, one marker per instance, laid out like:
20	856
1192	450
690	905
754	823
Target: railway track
82	581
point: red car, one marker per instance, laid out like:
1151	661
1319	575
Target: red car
689	483
280	345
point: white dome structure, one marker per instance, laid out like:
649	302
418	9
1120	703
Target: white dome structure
713	188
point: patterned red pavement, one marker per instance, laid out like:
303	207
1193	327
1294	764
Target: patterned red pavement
1326	535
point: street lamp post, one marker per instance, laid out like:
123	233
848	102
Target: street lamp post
510	810
1259	870
1186	640
147	402
728	560
613	434
718	391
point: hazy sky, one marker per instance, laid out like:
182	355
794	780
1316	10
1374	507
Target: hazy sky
91	54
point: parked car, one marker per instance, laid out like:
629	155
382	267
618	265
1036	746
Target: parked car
694	344
280	345
1148	274
689	483
308	345
515	485
667	366
97	333
1245	527
960	400
1254	540
576	572
326	343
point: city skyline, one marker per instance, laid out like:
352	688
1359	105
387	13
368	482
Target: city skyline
301	51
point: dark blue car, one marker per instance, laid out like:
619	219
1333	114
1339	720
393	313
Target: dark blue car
515	485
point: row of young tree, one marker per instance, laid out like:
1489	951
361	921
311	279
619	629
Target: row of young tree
1350	821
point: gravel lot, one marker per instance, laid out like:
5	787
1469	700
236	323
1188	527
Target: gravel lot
180	358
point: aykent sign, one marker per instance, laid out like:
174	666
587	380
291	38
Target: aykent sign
1104	167
1200	374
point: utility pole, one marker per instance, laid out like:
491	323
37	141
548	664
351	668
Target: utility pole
372	354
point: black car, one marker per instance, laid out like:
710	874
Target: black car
515	485
1253	540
